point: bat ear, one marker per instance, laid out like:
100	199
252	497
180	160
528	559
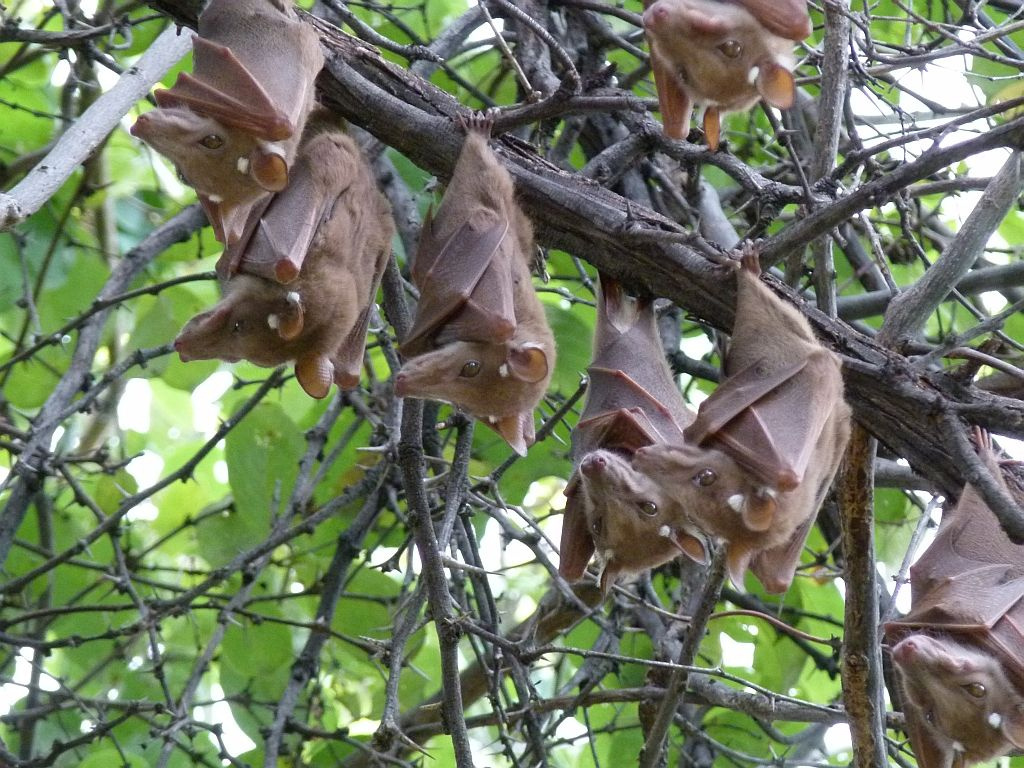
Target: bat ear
691	546
577	544
608	576
269	169
929	751
776	85
517	430
315	374
759	509
712	127
1013	726
528	362
289	325
737	559
673	102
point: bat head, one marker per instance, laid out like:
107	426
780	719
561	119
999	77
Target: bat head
500	384
226	165
623	516
261	322
711	491
958	699
719	54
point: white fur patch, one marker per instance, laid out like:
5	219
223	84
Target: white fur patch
735	502
293	297
492	419
274	321
242	164
665	531
215	198
958	747
995	720
752	74
503	370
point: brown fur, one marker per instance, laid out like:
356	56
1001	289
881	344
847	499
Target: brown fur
276	57
497	326
759	492
705	52
960	651
348	246
612	509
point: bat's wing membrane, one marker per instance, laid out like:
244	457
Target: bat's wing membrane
348	358
458	277
277	238
785	18
228	93
641	417
769	423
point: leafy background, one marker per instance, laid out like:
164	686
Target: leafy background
209	568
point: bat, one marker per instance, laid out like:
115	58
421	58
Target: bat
480	339
722	54
612	508
762	452
334	216
959	653
232	127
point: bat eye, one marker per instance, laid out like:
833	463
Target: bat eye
237	327
470	369
705	477
212	141
648	508
731	48
977	690
596	527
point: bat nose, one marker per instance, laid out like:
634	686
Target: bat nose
179	347
139	126
905	651
401	385
593	465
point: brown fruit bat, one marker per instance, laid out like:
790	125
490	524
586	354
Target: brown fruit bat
762	452
480	339
334	216
959	653
632	401
233	126
723	54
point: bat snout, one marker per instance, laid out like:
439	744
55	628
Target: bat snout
181	347
593	465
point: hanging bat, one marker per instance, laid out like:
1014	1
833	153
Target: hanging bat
959	653
480	339
762	452
612	508
334	216
232	127
723	54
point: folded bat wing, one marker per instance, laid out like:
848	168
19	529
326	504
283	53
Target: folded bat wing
785	18
234	98
465	292
277	237
770	423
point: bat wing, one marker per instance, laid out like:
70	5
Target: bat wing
462	292
237	99
785	18
770	423
625	429
616	399
348	358
277	236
